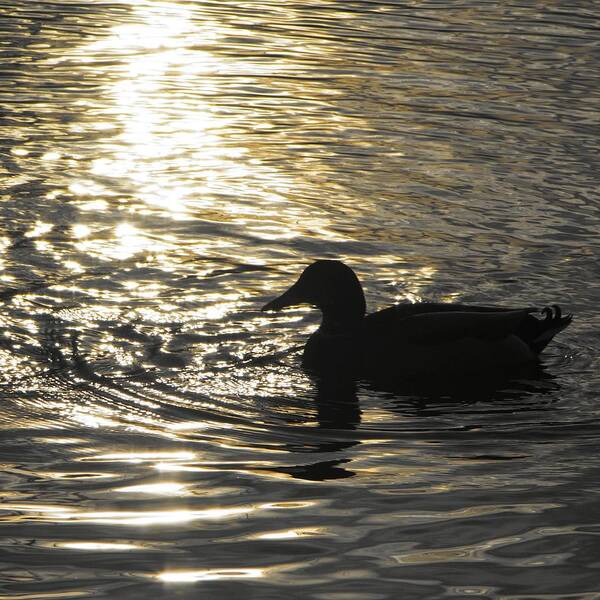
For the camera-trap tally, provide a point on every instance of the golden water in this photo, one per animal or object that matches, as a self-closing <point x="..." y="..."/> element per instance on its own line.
<point x="166" y="167"/>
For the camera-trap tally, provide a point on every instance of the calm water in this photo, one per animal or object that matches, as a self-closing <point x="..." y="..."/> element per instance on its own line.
<point x="166" y="167"/>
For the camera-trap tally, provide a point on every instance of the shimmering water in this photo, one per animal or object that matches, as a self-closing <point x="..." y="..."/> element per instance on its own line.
<point x="166" y="167"/>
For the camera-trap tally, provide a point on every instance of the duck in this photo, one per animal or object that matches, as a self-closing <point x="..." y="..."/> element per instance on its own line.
<point x="413" y="340"/>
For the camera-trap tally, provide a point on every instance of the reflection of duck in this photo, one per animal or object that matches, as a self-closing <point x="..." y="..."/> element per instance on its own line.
<point x="412" y="340"/>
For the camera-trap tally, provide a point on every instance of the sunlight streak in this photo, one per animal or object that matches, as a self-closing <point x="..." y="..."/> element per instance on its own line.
<point x="98" y="546"/>
<point x="177" y="155"/>
<point x="209" y="575"/>
<point x="166" y="489"/>
<point x="166" y="517"/>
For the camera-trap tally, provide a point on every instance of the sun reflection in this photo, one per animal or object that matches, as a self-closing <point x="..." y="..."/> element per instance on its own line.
<point x="166" y="488"/>
<point x="143" y="518"/>
<point x="88" y="188"/>
<point x="286" y="505"/>
<point x="49" y="156"/>
<point x="141" y="457"/>
<point x="59" y="513"/>
<point x="39" y="508"/>
<point x="209" y="575"/>
<point x="97" y="546"/>
<point x="39" y="229"/>
<point x="169" y="138"/>
<point x="73" y="266"/>
<point x="195" y="426"/>
<point x="166" y="517"/>
<point x="127" y="241"/>
<point x="412" y="281"/>
<point x="290" y="534"/>
<point x="11" y="364"/>
<point x="80" y="230"/>
<point x="92" y="421"/>
<point x="156" y="129"/>
<point x="93" y="205"/>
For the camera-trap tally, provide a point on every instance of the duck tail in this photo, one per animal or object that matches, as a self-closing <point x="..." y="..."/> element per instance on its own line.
<point x="541" y="333"/>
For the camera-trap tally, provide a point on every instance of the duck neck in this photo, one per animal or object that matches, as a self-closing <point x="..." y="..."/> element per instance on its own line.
<point x="344" y="318"/>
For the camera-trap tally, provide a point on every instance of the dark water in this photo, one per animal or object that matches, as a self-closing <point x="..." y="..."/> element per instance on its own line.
<point x="169" y="166"/>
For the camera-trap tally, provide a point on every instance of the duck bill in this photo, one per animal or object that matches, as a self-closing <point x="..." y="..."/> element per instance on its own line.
<point x="289" y="298"/>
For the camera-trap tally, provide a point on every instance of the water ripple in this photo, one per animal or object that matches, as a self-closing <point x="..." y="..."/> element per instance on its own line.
<point x="168" y="166"/>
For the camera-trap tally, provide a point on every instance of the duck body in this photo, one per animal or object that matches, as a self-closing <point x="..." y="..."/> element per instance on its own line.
<point x="412" y="340"/>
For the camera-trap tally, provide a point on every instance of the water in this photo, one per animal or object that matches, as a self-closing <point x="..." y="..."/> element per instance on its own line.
<point x="169" y="166"/>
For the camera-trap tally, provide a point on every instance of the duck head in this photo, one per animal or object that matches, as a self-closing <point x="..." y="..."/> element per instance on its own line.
<point x="331" y="286"/>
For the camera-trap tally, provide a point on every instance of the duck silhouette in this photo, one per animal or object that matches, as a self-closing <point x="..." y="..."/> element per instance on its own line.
<point x="412" y="340"/>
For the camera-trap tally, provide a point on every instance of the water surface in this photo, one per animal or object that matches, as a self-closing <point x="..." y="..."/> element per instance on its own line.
<point x="166" y="167"/>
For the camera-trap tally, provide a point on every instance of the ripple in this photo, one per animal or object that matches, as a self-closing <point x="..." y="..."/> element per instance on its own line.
<point x="165" y="168"/>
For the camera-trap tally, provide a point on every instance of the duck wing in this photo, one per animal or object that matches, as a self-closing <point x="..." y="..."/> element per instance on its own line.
<point x="439" y="323"/>
<point x="400" y="311"/>
<point x="445" y="327"/>
<point x="430" y="323"/>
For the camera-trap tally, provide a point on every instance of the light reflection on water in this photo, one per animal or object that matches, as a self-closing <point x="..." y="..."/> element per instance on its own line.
<point x="167" y="166"/>
<point x="208" y="575"/>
